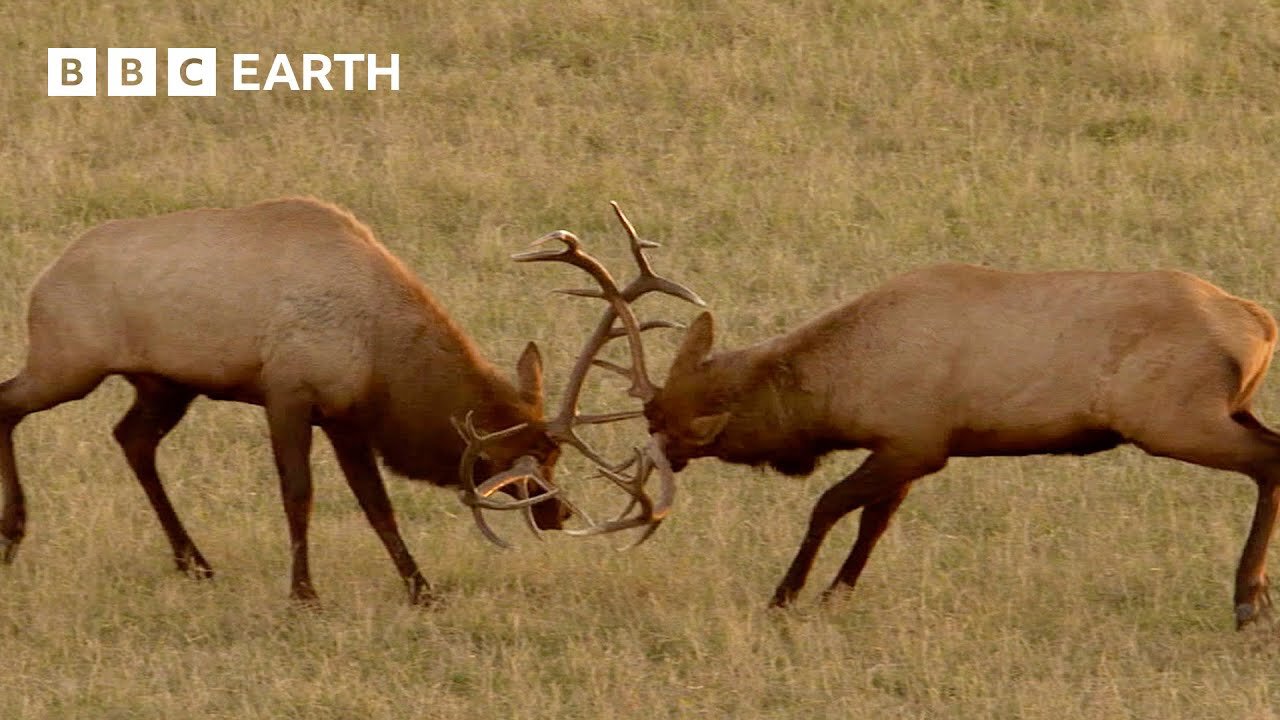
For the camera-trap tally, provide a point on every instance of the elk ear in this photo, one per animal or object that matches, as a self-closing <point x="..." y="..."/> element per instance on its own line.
<point x="529" y="373"/>
<point x="695" y="347"/>
<point x="706" y="428"/>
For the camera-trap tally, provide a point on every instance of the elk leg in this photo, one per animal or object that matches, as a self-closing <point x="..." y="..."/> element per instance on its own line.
<point x="361" y="470"/>
<point x="158" y="406"/>
<point x="874" y="521"/>
<point x="20" y="396"/>
<point x="879" y="479"/>
<point x="289" y="422"/>
<point x="1238" y="442"/>
<point x="1251" y="595"/>
<point x="13" y="520"/>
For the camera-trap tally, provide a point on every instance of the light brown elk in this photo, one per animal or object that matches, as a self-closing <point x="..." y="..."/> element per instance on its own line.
<point x="292" y="305"/>
<point x="957" y="360"/>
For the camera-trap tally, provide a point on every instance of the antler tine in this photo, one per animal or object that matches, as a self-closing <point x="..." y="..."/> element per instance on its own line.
<point x="648" y="280"/>
<point x="652" y="512"/>
<point x="617" y="332"/>
<point x="570" y="436"/>
<point x="612" y="367"/>
<point x="637" y="245"/>
<point x="603" y="418"/>
<point x="522" y="494"/>
<point x="522" y="471"/>
<point x="635" y="489"/>
<point x="619" y="308"/>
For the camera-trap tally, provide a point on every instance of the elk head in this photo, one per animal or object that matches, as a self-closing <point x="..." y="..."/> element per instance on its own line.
<point x="563" y="427"/>
<point x="517" y="461"/>
<point x="692" y="409"/>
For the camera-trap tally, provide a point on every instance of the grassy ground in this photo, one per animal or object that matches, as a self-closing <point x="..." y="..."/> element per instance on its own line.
<point x="789" y="155"/>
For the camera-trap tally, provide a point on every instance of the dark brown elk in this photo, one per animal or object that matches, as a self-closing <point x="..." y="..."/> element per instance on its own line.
<point x="294" y="306"/>
<point x="957" y="360"/>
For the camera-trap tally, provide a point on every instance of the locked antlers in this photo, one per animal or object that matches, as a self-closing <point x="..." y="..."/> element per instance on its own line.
<point x="563" y="427"/>
<point x="521" y="473"/>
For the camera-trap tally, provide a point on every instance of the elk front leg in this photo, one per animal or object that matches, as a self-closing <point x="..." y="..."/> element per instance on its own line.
<point x="290" y="426"/>
<point x="874" y="521"/>
<point x="361" y="470"/>
<point x="880" y="479"/>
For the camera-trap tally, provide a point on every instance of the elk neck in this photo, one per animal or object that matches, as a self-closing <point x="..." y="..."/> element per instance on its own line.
<point x="434" y="376"/>
<point x="778" y="412"/>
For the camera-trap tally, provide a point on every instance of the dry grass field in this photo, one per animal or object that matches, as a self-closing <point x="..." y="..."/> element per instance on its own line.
<point x="789" y="155"/>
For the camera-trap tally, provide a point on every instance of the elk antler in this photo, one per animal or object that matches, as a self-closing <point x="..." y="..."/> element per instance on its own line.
<point x="652" y="513"/>
<point x="522" y="472"/>
<point x="620" y="308"/>
<point x="563" y="427"/>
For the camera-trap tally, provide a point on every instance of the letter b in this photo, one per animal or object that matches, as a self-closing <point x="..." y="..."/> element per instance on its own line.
<point x="73" y="72"/>
<point x="131" y="71"/>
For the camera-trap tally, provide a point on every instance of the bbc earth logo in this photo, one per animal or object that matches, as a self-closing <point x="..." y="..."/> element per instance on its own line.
<point x="193" y="72"/>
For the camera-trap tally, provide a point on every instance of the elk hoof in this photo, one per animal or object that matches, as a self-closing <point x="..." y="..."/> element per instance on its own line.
<point x="193" y="565"/>
<point x="304" y="597"/>
<point x="421" y="594"/>
<point x="8" y="549"/>
<point x="1245" y="614"/>
<point x="197" y="572"/>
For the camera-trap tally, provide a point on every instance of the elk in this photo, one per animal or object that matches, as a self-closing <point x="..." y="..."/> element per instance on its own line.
<point x="959" y="360"/>
<point x="294" y="306"/>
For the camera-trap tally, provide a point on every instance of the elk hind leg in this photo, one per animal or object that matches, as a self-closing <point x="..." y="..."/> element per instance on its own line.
<point x="1252" y="597"/>
<point x="1237" y="442"/>
<point x="29" y="392"/>
<point x="157" y="407"/>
